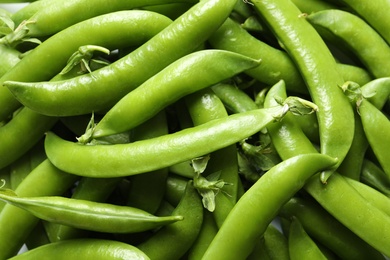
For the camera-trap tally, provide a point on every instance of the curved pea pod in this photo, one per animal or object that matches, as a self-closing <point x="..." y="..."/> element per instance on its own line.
<point x="376" y="126"/>
<point x="169" y="85"/>
<point x="301" y="245"/>
<point x="255" y="210"/>
<point x="84" y="249"/>
<point x="89" y="215"/>
<point x="374" y="176"/>
<point x="138" y="157"/>
<point x="90" y="93"/>
<point x="340" y="27"/>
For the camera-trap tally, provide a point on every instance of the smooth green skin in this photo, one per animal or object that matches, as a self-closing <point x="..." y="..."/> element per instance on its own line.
<point x="318" y="69"/>
<point x="147" y="190"/>
<point x="374" y="176"/>
<point x="171" y="10"/>
<point x="377" y="198"/>
<point x="139" y="157"/>
<point x="90" y="92"/>
<point x="255" y="210"/>
<point x="341" y="27"/>
<point x="90" y="189"/>
<point x="259" y="252"/>
<point x="374" y="13"/>
<point x="376" y="126"/>
<point x="323" y="227"/>
<point x="276" y="243"/>
<point x="169" y="85"/>
<point x="9" y="57"/>
<point x="89" y="215"/>
<point x="57" y="17"/>
<point x="48" y="59"/>
<point x="353" y="73"/>
<point x="206" y="234"/>
<point x="173" y="241"/>
<point x="301" y="245"/>
<point x="29" y="10"/>
<point x="19" y="170"/>
<point x="311" y="6"/>
<point x="15" y="223"/>
<point x="98" y="249"/>
<point x="21" y="133"/>
<point x="296" y="144"/>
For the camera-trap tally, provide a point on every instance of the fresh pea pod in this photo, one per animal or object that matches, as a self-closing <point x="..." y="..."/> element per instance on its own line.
<point x="311" y="6"/>
<point x="301" y="245"/>
<point x="89" y="215"/>
<point x="255" y="210"/>
<point x="9" y="57"/>
<point x="169" y="85"/>
<point x="376" y="126"/>
<point x="340" y="27"/>
<point x="319" y="71"/>
<point x="86" y="249"/>
<point x="374" y="176"/>
<point x="90" y="91"/>
<point x="138" y="157"/>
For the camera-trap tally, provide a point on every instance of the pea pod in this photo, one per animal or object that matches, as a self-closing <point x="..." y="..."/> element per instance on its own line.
<point x="90" y="91"/>
<point x="84" y="248"/>
<point x="374" y="176"/>
<point x="138" y="157"/>
<point x="319" y="71"/>
<point x="48" y="59"/>
<point x="255" y="210"/>
<point x="9" y="57"/>
<point x="301" y="244"/>
<point x="169" y="85"/>
<point x="376" y="127"/>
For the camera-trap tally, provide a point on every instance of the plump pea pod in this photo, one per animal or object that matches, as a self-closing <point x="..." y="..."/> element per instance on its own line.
<point x="276" y="243"/>
<point x="9" y="57"/>
<point x="340" y="27"/>
<point x="354" y="73"/>
<point x="90" y="91"/>
<point x="171" y="10"/>
<point x="318" y="69"/>
<point x="46" y="21"/>
<point x="301" y="245"/>
<point x="378" y="199"/>
<point x="255" y="210"/>
<point x="48" y="59"/>
<point x="15" y="223"/>
<point x="169" y="85"/>
<point x="138" y="157"/>
<point x="173" y="241"/>
<point x="19" y="170"/>
<point x="29" y="10"/>
<point x="20" y="134"/>
<point x="376" y="126"/>
<point x="374" y="176"/>
<point x="374" y="13"/>
<point x="89" y="215"/>
<point x="86" y="249"/>
<point x="90" y="189"/>
<point x="259" y="252"/>
<point x="327" y="230"/>
<point x="311" y="6"/>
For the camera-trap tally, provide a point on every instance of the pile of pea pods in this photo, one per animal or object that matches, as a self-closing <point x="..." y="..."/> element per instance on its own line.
<point x="186" y="129"/>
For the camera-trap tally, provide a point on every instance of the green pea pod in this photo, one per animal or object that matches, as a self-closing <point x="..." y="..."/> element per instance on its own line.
<point x="138" y="157"/>
<point x="311" y="6"/>
<point x="173" y="241"/>
<point x="374" y="176"/>
<point x="301" y="245"/>
<point x="276" y="243"/>
<point x="319" y="71"/>
<point x="90" y="91"/>
<point x="327" y="230"/>
<point x="48" y="59"/>
<point x="340" y="27"/>
<point x="9" y="57"/>
<point x="86" y="249"/>
<point x="255" y="210"/>
<point x="15" y="223"/>
<point x="169" y="85"/>
<point x="376" y="126"/>
<point x="374" y="13"/>
<point x="89" y="215"/>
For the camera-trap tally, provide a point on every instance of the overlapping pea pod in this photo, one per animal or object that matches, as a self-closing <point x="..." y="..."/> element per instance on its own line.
<point x="139" y="157"/>
<point x="255" y="210"/>
<point x="319" y="71"/>
<point x="164" y="88"/>
<point x="340" y="27"/>
<point x="86" y="249"/>
<point x="90" y="92"/>
<point x="50" y="57"/>
<point x="9" y="57"/>
<point x="344" y="207"/>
